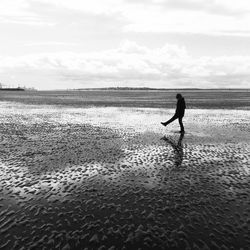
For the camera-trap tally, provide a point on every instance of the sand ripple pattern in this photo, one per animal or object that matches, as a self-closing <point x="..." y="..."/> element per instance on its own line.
<point x="113" y="178"/>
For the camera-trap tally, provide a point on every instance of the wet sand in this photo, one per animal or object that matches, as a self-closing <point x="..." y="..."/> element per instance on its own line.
<point x="114" y="178"/>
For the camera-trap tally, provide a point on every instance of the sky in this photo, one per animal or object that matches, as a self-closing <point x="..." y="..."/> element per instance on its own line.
<point x="66" y="44"/>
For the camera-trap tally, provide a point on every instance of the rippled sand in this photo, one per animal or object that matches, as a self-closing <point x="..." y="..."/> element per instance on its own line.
<point x="114" y="178"/>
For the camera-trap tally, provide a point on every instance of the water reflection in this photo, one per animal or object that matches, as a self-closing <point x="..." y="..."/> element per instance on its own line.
<point x="178" y="148"/>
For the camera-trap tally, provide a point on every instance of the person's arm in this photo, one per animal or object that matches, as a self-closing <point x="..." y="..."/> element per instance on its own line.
<point x="182" y="105"/>
<point x="178" y="107"/>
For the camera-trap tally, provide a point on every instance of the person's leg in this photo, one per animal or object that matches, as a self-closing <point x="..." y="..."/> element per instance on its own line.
<point x="181" y="124"/>
<point x="170" y="120"/>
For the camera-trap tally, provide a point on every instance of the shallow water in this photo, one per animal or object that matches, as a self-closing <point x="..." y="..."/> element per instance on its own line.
<point x="203" y="98"/>
<point x="100" y="177"/>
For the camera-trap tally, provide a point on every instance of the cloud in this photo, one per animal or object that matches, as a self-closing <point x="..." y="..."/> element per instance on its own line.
<point x="210" y="17"/>
<point x="213" y="17"/>
<point x="18" y="12"/>
<point x="196" y="17"/>
<point x="219" y="7"/>
<point x="168" y="66"/>
<point x="49" y="43"/>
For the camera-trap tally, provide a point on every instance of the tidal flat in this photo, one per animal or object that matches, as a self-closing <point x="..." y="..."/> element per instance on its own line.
<point x="97" y="177"/>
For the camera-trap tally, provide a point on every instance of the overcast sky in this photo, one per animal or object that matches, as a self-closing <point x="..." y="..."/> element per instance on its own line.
<point x="55" y="44"/>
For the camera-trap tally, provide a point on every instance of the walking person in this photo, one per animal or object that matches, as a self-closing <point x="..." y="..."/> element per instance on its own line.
<point x="179" y="112"/>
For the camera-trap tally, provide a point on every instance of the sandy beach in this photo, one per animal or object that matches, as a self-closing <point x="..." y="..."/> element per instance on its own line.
<point x="93" y="151"/>
<point x="114" y="178"/>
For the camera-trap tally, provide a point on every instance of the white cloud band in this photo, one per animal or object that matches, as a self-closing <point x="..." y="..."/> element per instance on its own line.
<point x="165" y="67"/>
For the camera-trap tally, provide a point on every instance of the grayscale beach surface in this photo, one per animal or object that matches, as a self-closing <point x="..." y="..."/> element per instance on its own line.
<point x="97" y="170"/>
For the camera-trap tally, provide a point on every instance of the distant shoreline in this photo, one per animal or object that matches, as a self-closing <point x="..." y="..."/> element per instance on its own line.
<point x="130" y="89"/>
<point x="12" y="89"/>
<point x="151" y="89"/>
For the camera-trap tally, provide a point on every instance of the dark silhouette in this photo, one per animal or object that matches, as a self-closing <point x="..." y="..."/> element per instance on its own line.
<point x="179" y="112"/>
<point x="178" y="149"/>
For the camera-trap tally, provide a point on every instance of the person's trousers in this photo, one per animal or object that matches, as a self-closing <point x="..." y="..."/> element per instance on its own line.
<point x="174" y="118"/>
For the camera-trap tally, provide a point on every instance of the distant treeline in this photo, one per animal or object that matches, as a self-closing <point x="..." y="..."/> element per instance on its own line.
<point x="12" y="89"/>
<point x="126" y="88"/>
<point x="160" y="89"/>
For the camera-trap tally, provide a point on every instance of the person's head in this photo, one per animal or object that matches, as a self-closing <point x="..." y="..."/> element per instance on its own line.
<point x="178" y="96"/>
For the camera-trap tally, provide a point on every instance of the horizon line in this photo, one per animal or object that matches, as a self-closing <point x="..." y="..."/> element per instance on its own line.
<point x="138" y="88"/>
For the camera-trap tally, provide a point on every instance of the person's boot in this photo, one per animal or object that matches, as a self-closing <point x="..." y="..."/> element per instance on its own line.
<point x="164" y="124"/>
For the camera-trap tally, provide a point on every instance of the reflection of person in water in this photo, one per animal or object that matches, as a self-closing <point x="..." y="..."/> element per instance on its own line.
<point x="179" y="112"/>
<point x="178" y="149"/>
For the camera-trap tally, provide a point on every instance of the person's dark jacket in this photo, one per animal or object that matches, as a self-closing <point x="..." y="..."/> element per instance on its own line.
<point x="181" y="106"/>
